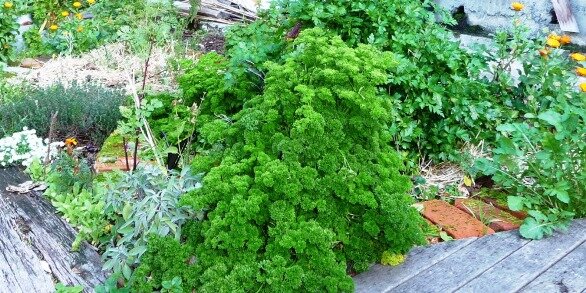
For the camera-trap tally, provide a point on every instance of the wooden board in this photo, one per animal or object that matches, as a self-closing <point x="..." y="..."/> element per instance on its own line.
<point x="47" y="236"/>
<point x="379" y="278"/>
<point x="564" y="15"/>
<point x="567" y="275"/>
<point x="462" y="266"/>
<point x="524" y="265"/>
<point x="502" y="262"/>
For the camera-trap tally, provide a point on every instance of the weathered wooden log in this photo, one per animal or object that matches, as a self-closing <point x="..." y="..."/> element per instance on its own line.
<point x="220" y="11"/>
<point x="35" y="244"/>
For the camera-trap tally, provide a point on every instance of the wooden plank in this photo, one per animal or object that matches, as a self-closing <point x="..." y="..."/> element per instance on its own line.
<point x="525" y="264"/>
<point x="567" y="275"/>
<point x="564" y="15"/>
<point x="380" y="278"/>
<point x="49" y="236"/>
<point x="464" y="265"/>
<point x="20" y="268"/>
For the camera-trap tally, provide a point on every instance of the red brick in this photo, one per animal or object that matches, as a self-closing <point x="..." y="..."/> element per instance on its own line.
<point x="454" y="221"/>
<point x="494" y="202"/>
<point x="499" y="220"/>
<point x="120" y="164"/>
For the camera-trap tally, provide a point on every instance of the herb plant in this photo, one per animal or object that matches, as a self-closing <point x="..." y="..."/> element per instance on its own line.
<point x="89" y="112"/>
<point x="302" y="184"/>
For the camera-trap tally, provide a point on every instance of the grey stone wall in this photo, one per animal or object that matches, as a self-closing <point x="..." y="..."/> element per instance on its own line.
<point x="492" y="15"/>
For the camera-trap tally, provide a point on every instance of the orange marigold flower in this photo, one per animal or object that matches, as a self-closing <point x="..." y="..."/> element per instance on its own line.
<point x="581" y="71"/>
<point x="583" y="86"/>
<point x="565" y="39"/>
<point x="517" y="6"/>
<point x="553" y="43"/>
<point x="71" y="141"/>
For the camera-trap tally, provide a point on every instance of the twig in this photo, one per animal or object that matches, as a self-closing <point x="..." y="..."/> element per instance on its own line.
<point x="125" y="146"/>
<point x="140" y="97"/>
<point x="51" y="134"/>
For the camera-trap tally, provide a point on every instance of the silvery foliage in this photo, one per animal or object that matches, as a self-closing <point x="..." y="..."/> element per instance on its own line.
<point x="145" y="202"/>
<point x="23" y="147"/>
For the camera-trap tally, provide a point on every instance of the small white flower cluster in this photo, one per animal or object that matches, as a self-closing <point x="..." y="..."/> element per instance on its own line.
<point x="23" y="147"/>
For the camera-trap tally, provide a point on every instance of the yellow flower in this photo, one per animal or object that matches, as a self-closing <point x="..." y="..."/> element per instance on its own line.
<point x="581" y="71"/>
<point x="517" y="6"/>
<point x="79" y="16"/>
<point x="71" y="141"/>
<point x="80" y="29"/>
<point x="553" y="43"/>
<point x="54" y="27"/>
<point x="565" y="39"/>
<point x="77" y="4"/>
<point x="583" y="86"/>
<point x="65" y="13"/>
<point x="555" y="37"/>
<point x="578" y="57"/>
<point x="91" y="1"/>
<point x="8" y="5"/>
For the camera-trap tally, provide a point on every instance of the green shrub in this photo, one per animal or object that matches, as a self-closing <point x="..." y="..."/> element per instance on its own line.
<point x="302" y="182"/>
<point x="437" y="107"/>
<point x="88" y="112"/>
<point x="164" y="259"/>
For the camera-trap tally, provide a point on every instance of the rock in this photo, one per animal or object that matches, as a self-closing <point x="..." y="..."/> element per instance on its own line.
<point x="31" y="63"/>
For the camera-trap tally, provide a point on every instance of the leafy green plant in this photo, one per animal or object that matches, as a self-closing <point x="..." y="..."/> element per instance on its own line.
<point x="173" y="124"/>
<point x="143" y="203"/>
<point x="539" y="159"/>
<point x="302" y="184"/>
<point x="71" y="191"/>
<point x="8" y="30"/>
<point x="60" y="288"/>
<point x="167" y="265"/>
<point x="437" y="106"/>
<point x="88" y="112"/>
<point x="111" y="285"/>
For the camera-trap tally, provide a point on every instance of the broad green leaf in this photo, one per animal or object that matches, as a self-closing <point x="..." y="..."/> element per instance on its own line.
<point x="515" y="203"/>
<point x="551" y="117"/>
<point x="531" y="229"/>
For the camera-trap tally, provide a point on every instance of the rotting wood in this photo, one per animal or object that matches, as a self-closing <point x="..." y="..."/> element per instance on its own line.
<point x="37" y="234"/>
<point x="220" y="12"/>
<point x="564" y="15"/>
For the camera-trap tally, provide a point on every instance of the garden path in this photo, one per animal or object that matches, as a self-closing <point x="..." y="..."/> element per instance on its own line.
<point x="501" y="262"/>
<point x="35" y="244"/>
